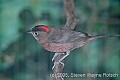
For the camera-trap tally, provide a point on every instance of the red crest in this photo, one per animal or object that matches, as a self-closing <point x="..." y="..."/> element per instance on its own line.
<point x="46" y="28"/>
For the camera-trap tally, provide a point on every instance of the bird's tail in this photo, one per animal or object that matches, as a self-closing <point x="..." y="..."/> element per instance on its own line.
<point x="104" y="36"/>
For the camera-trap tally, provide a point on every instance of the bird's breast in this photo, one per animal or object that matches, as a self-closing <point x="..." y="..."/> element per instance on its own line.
<point x="57" y="47"/>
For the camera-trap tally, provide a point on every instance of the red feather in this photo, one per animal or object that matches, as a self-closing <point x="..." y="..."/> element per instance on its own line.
<point x="43" y="27"/>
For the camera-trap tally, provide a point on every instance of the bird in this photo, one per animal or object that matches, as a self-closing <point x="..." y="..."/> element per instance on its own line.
<point x="60" y="40"/>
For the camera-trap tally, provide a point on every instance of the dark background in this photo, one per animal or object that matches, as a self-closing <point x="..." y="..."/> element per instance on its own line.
<point x="22" y="58"/>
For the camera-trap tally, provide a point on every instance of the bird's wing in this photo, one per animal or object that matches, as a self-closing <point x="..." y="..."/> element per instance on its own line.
<point x="58" y="36"/>
<point x="77" y="36"/>
<point x="62" y="36"/>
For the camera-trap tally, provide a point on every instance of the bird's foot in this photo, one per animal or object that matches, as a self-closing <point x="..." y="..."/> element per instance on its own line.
<point x="66" y="54"/>
<point x="63" y="56"/>
<point x="56" y="63"/>
<point x="55" y="55"/>
<point x="58" y="58"/>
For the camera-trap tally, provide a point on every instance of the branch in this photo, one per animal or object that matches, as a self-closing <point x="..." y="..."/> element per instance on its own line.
<point x="70" y="25"/>
<point x="70" y="14"/>
<point x="58" y="68"/>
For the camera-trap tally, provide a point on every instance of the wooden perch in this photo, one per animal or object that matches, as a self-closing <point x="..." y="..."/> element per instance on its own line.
<point x="70" y="14"/>
<point x="70" y="25"/>
<point x="58" y="68"/>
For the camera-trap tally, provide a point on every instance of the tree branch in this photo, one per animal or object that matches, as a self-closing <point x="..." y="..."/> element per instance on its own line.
<point x="70" y="25"/>
<point x="70" y="14"/>
<point x="58" y="68"/>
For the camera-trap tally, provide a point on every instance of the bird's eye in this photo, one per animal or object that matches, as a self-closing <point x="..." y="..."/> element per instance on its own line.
<point x="36" y="33"/>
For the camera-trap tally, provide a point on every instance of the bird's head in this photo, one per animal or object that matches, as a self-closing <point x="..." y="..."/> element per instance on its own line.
<point x="39" y="31"/>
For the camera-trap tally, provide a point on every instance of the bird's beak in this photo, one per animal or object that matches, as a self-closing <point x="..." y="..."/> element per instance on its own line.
<point x="29" y="31"/>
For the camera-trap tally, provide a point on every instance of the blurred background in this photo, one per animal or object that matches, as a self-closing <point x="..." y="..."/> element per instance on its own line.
<point x="22" y="58"/>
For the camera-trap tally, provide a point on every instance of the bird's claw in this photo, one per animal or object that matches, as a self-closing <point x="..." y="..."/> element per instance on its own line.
<point x="66" y="54"/>
<point x="59" y="61"/>
<point x="56" y="54"/>
<point x="56" y="63"/>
